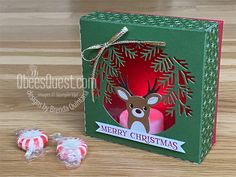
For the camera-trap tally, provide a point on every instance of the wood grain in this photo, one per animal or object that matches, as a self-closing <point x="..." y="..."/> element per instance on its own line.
<point x="46" y="33"/>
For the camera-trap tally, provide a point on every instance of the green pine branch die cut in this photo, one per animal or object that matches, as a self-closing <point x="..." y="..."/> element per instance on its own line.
<point x="175" y="77"/>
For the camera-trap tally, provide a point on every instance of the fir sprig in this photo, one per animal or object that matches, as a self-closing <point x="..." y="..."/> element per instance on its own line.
<point x="129" y="51"/>
<point x="150" y="52"/>
<point x="116" y="56"/>
<point x="109" y="68"/>
<point x="162" y="63"/>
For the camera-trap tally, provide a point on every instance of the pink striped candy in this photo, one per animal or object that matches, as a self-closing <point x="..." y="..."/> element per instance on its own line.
<point x="32" y="139"/>
<point x="71" y="150"/>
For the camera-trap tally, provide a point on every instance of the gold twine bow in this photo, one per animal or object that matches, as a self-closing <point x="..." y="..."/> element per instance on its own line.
<point x="113" y="41"/>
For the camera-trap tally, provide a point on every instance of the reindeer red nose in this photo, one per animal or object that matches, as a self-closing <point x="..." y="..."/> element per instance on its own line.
<point x="138" y="111"/>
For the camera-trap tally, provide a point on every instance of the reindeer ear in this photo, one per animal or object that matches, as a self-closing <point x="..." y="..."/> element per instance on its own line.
<point x="153" y="99"/>
<point x="122" y="93"/>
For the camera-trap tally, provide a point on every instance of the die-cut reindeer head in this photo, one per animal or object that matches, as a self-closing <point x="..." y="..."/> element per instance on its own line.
<point x="138" y="106"/>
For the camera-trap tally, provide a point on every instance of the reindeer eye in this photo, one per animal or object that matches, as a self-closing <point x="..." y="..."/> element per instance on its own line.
<point x="145" y="108"/>
<point x="131" y="105"/>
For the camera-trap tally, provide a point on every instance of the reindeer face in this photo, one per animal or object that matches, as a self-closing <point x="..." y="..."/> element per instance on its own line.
<point x="138" y="107"/>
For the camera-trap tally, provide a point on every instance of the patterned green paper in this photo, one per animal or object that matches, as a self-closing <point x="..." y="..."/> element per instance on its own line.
<point x="184" y="73"/>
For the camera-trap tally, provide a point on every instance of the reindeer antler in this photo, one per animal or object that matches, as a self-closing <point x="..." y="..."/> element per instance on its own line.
<point x="124" y="84"/>
<point x="154" y="89"/>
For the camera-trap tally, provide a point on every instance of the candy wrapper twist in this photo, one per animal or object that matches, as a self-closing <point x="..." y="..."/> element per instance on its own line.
<point x="32" y="141"/>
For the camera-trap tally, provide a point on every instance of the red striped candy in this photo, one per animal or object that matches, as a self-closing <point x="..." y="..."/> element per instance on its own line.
<point x="71" y="150"/>
<point x="32" y="139"/>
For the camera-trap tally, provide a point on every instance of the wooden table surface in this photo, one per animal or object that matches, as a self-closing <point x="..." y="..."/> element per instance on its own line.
<point x="46" y="33"/>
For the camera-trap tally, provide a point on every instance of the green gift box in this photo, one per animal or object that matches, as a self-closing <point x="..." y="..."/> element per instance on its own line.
<point x="153" y="81"/>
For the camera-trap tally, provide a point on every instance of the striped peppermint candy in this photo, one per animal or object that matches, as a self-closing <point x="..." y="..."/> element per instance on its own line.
<point x="32" y="139"/>
<point x="71" y="150"/>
